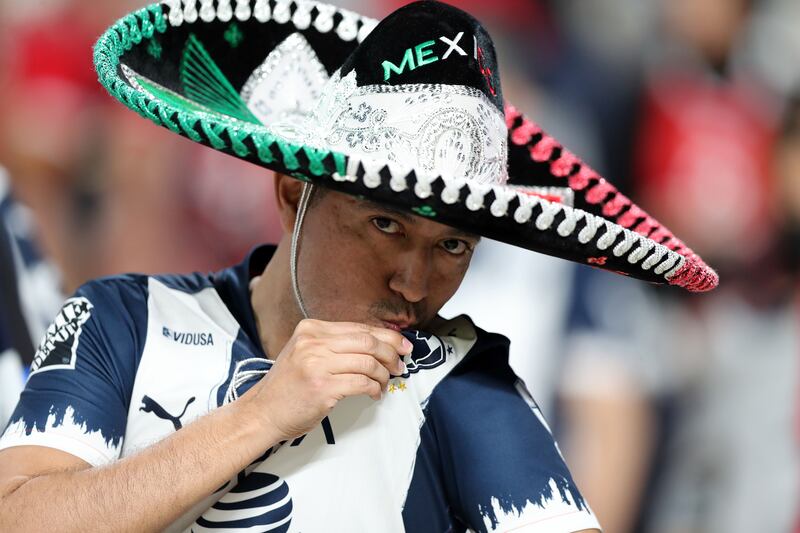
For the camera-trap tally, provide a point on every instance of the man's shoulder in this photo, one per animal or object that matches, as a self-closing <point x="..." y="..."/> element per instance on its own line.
<point x="496" y="450"/>
<point x="187" y="308"/>
<point x="113" y="304"/>
<point x="483" y="374"/>
<point x="118" y="284"/>
<point x="490" y="340"/>
<point x="131" y="291"/>
<point x="136" y="283"/>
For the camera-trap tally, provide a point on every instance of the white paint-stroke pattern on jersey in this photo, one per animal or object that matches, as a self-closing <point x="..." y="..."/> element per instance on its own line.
<point x="73" y="436"/>
<point x="557" y="498"/>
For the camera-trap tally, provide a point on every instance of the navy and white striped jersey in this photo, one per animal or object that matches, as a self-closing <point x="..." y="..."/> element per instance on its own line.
<point x="456" y="444"/>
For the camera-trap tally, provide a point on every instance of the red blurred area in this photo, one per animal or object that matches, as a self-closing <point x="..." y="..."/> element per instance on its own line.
<point x="703" y="162"/>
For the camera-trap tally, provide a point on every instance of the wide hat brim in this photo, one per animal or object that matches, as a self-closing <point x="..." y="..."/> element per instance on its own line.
<point x="552" y="203"/>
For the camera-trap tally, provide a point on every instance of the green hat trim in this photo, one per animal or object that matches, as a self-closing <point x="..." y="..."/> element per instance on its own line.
<point x="217" y="118"/>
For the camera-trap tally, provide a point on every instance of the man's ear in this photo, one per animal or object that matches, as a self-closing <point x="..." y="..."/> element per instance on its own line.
<point x="287" y="193"/>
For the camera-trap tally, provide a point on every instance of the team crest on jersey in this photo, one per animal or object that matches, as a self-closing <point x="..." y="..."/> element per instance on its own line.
<point x="429" y="352"/>
<point x="59" y="346"/>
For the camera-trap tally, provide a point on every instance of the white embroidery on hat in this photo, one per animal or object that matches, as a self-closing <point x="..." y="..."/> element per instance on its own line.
<point x="281" y="13"/>
<point x="190" y="13"/>
<point x="287" y="84"/>
<point x="262" y="11"/>
<point x="452" y="131"/>
<point x="243" y="10"/>
<point x="351" y="25"/>
<point x="224" y="10"/>
<point x="302" y="16"/>
<point x="348" y="27"/>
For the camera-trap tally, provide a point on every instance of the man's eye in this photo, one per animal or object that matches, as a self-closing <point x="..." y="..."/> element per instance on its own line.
<point x="455" y="246"/>
<point x="386" y="225"/>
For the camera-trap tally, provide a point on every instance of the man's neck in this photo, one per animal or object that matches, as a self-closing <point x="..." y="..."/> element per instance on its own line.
<point x="274" y="306"/>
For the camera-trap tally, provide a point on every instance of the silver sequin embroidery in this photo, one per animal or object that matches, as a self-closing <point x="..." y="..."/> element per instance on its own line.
<point x="452" y="131"/>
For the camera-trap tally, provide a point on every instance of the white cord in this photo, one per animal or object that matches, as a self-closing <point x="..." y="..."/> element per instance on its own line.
<point x="298" y="224"/>
<point x="240" y="377"/>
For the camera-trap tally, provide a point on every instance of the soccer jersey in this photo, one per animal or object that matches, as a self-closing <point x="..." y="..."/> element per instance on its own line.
<point x="455" y="444"/>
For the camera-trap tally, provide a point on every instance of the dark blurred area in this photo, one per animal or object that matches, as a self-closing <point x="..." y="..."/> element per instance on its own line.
<point x="675" y="412"/>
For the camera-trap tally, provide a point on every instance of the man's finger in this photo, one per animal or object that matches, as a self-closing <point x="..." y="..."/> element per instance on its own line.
<point x="367" y="344"/>
<point x="344" y="385"/>
<point x="394" y="338"/>
<point x="359" y="364"/>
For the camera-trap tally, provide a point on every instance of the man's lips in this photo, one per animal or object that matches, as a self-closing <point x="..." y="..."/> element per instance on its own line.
<point x="397" y="325"/>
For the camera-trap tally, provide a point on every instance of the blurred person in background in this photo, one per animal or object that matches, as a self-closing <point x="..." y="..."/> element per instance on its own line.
<point x="785" y="257"/>
<point x="29" y="295"/>
<point x="705" y="129"/>
<point x="29" y="285"/>
<point x="732" y="462"/>
<point x="696" y="433"/>
<point x="49" y="136"/>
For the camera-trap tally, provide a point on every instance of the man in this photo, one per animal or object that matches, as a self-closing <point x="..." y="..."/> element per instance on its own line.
<point x="146" y="408"/>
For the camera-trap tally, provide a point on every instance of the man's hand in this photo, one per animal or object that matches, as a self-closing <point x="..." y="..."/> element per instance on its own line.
<point x="322" y="363"/>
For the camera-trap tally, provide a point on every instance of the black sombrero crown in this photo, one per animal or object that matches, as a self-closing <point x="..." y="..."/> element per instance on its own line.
<point x="428" y="43"/>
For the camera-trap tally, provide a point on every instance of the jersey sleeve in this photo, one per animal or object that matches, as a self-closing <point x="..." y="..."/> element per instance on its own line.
<point x="499" y="466"/>
<point x="77" y="395"/>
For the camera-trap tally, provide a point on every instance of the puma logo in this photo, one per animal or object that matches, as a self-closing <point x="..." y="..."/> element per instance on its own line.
<point x="149" y="405"/>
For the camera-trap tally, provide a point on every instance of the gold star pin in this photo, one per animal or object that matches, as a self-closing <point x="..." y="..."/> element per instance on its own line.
<point x="392" y="388"/>
<point x="401" y="386"/>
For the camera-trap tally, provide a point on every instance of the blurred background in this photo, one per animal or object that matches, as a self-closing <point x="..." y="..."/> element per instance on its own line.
<point x="675" y="412"/>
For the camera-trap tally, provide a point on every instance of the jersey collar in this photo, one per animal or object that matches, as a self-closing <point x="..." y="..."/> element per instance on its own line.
<point x="233" y="286"/>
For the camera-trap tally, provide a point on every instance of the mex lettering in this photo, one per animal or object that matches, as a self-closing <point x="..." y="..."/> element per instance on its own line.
<point x="424" y="54"/>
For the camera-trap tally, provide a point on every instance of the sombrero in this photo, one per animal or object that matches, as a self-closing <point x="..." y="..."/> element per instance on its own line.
<point x="407" y="112"/>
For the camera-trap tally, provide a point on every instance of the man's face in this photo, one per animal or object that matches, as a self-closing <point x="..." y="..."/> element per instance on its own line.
<point x="361" y="262"/>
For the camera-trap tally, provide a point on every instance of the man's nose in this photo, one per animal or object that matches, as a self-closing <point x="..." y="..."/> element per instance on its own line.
<point x="411" y="276"/>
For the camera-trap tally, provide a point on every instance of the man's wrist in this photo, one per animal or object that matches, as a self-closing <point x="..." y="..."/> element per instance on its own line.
<point x="258" y="428"/>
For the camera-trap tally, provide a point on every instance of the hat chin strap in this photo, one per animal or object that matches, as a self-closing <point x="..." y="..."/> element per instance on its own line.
<point x="298" y="224"/>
